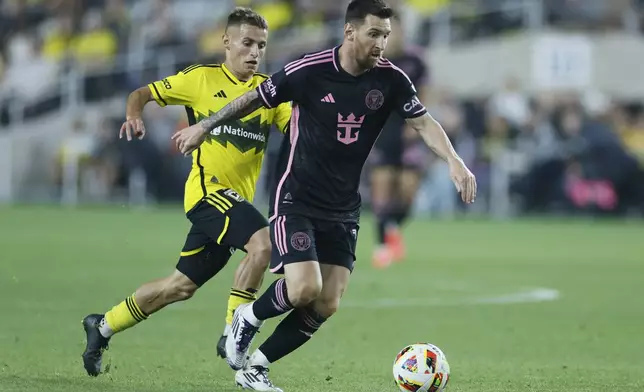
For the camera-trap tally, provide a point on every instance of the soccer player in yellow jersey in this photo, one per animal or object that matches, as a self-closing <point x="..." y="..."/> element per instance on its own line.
<point x="218" y="189"/>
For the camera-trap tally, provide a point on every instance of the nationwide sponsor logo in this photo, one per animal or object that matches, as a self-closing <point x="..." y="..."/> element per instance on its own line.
<point x="244" y="135"/>
<point x="237" y="131"/>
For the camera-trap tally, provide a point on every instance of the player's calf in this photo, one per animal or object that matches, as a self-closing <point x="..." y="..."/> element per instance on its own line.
<point x="300" y="325"/>
<point x="301" y="286"/>
<point x="148" y="299"/>
<point x="248" y="279"/>
<point x="250" y="272"/>
<point x="154" y="296"/>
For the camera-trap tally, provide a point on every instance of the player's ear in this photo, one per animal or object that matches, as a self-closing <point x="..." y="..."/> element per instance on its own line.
<point x="349" y="31"/>
<point x="226" y="40"/>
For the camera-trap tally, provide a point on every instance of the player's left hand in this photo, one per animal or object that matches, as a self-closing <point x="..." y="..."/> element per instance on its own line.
<point x="463" y="179"/>
<point x="189" y="139"/>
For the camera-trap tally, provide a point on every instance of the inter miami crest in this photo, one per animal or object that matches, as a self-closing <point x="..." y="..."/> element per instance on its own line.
<point x="244" y="135"/>
<point x="300" y="241"/>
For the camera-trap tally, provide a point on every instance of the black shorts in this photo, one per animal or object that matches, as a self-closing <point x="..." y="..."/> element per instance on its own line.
<point x="221" y="222"/>
<point x="297" y="238"/>
<point x="391" y="150"/>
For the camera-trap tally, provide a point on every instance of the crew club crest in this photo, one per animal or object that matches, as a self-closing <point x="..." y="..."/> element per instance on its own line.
<point x="300" y="241"/>
<point x="374" y="99"/>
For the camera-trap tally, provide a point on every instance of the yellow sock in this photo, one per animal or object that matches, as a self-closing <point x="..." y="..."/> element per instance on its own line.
<point x="238" y="297"/>
<point x="124" y="315"/>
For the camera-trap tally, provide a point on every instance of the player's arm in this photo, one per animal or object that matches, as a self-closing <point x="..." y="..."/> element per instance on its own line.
<point x="413" y="111"/>
<point x="422" y="87"/>
<point x="272" y="92"/>
<point x="174" y="90"/>
<point x="235" y="110"/>
<point x="435" y="137"/>
<point x="283" y="116"/>
<point x="133" y="124"/>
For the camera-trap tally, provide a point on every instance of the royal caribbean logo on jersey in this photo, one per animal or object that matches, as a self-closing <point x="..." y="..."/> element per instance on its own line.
<point x="245" y="136"/>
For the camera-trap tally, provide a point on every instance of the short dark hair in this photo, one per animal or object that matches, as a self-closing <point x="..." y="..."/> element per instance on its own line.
<point x="241" y="15"/>
<point x="358" y="10"/>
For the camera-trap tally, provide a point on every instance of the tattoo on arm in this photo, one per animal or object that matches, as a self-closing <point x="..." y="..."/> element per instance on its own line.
<point x="238" y="108"/>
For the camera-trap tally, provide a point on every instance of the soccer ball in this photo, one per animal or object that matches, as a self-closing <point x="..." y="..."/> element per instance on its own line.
<point x="421" y="367"/>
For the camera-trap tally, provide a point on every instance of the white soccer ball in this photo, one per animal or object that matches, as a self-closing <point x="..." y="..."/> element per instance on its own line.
<point x="421" y="367"/>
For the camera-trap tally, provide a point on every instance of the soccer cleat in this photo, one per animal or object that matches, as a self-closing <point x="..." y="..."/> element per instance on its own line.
<point x="221" y="344"/>
<point x="221" y="347"/>
<point x="96" y="344"/>
<point x="396" y="244"/>
<point x="382" y="257"/>
<point x="255" y="378"/>
<point x="239" y="339"/>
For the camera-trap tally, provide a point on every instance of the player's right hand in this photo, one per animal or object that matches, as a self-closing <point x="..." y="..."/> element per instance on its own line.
<point x="132" y="126"/>
<point x="463" y="179"/>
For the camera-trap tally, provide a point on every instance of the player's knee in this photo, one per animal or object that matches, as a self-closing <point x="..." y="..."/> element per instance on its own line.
<point x="261" y="255"/>
<point x="305" y="292"/>
<point x="327" y="306"/>
<point x="183" y="293"/>
<point x="259" y="247"/>
<point x="180" y="289"/>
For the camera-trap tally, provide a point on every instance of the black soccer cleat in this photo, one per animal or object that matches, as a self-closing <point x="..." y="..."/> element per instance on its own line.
<point x="221" y="347"/>
<point x="96" y="344"/>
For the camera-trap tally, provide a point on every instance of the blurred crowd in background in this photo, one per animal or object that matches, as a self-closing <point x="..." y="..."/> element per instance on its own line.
<point x="577" y="152"/>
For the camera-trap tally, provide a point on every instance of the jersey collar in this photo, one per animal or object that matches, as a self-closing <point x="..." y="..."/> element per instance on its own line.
<point x="336" y="58"/>
<point x="338" y="67"/>
<point x="234" y="79"/>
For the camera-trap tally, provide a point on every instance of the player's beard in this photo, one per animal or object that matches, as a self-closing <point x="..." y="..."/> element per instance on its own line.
<point x="368" y="62"/>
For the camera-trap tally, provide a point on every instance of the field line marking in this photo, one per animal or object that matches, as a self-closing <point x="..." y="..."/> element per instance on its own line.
<point x="526" y="295"/>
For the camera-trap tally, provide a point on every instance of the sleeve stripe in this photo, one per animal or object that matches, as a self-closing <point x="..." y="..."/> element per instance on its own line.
<point x="261" y="95"/>
<point x="383" y="63"/>
<point x="158" y="96"/>
<point x="418" y="113"/>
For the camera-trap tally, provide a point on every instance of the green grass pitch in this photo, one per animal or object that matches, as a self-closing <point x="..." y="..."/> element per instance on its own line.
<point x="469" y="287"/>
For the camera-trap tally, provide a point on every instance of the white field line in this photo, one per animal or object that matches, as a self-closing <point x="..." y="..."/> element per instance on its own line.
<point x="526" y="295"/>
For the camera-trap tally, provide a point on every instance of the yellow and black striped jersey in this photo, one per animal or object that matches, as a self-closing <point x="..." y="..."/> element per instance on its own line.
<point x="232" y="155"/>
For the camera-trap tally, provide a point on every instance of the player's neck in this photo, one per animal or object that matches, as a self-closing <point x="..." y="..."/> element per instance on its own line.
<point x="242" y="77"/>
<point x="348" y="62"/>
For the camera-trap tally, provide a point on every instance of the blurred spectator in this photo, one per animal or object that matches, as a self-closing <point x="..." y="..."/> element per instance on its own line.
<point x="211" y="46"/>
<point x="159" y="26"/>
<point x="109" y="157"/>
<point x="57" y="38"/>
<point x="96" y="46"/>
<point x="511" y="104"/>
<point x="633" y="136"/>
<point x="73" y="161"/>
<point x="278" y="14"/>
<point x="117" y="19"/>
<point x="29" y="77"/>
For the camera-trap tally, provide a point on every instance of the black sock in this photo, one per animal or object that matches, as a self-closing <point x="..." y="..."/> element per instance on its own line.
<point x="273" y="302"/>
<point x="295" y="330"/>
<point x="401" y="214"/>
<point x="382" y="226"/>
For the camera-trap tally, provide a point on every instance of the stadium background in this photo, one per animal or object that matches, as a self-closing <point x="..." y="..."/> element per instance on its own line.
<point x="542" y="98"/>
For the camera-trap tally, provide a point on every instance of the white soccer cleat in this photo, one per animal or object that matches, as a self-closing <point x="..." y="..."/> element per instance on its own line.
<point x="239" y="339"/>
<point x="255" y="378"/>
